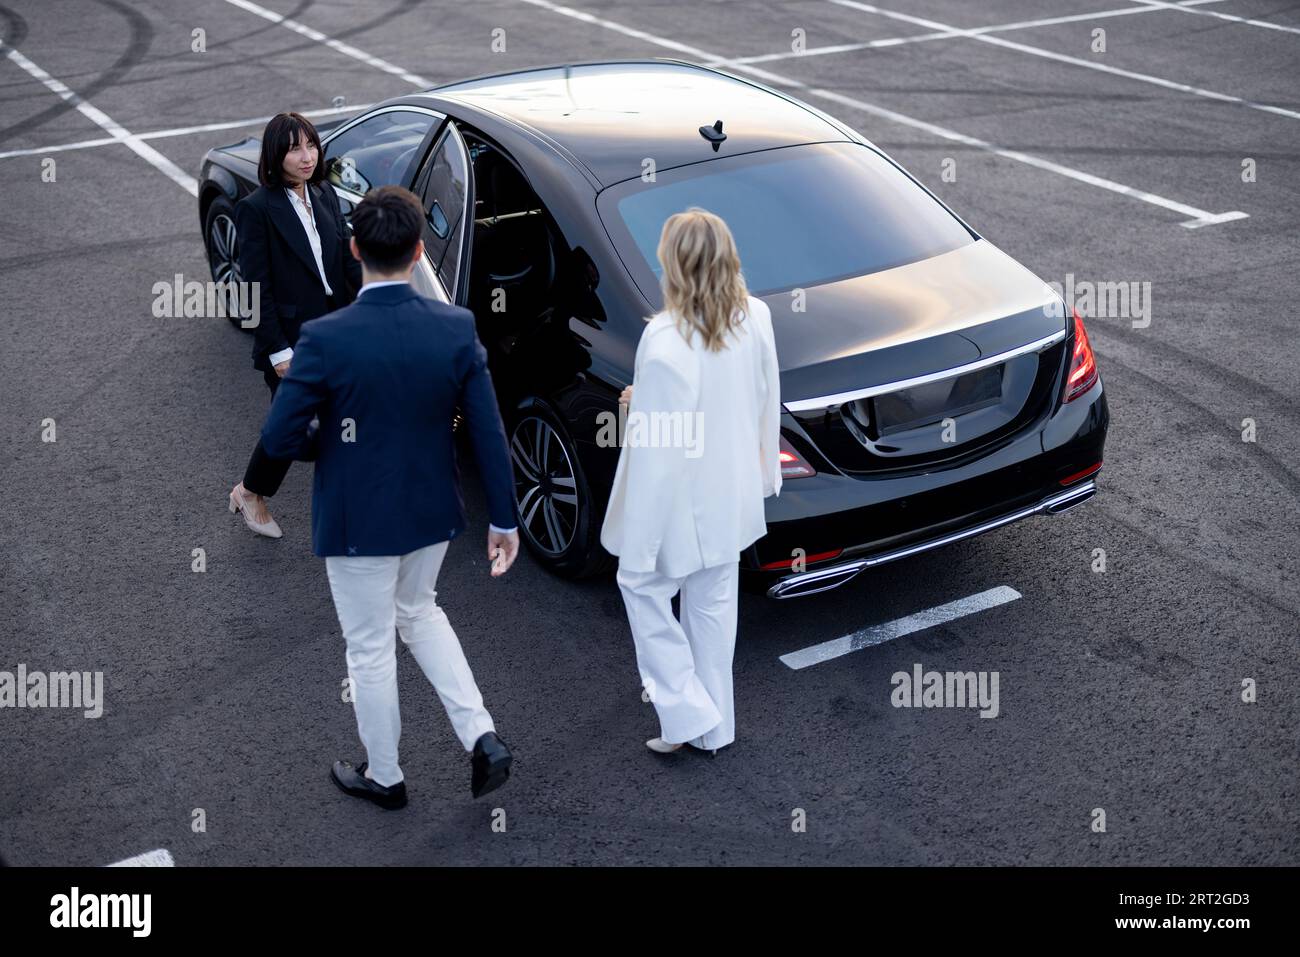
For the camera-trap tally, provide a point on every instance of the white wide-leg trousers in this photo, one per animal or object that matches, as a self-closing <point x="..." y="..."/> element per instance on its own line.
<point x="686" y="666"/>
<point x="373" y="597"/>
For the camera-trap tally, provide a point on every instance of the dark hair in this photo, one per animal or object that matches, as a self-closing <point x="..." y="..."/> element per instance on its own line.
<point x="386" y="225"/>
<point x="280" y="135"/>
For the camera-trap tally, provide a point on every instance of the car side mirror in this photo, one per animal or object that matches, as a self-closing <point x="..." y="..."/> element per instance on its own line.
<point x="342" y="171"/>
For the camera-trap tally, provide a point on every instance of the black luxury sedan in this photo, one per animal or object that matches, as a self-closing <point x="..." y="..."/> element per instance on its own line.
<point x="933" y="387"/>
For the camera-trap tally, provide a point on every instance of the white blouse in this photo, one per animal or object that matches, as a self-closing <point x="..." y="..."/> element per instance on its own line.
<point x="307" y="216"/>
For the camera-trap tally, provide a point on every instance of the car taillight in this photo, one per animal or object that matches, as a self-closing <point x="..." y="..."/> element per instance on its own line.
<point x="1082" y="474"/>
<point x="1083" y="364"/>
<point x="806" y="559"/>
<point x="792" y="465"/>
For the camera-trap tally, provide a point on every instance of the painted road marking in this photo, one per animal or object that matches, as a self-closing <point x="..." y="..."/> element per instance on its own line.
<point x="345" y="48"/>
<point x="878" y="634"/>
<point x="115" y="130"/>
<point x="159" y="858"/>
<point x="177" y="131"/>
<point x="1072" y="60"/>
<point x="949" y="34"/>
<point x="1198" y="217"/>
<point x="1222" y="16"/>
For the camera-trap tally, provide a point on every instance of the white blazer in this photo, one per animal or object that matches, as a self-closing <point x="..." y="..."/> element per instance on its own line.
<point x="701" y="448"/>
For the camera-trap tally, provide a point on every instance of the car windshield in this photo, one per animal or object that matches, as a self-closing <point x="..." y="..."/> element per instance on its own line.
<point x="800" y="215"/>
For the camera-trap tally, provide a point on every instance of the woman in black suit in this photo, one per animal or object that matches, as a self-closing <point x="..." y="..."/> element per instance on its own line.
<point x="293" y="243"/>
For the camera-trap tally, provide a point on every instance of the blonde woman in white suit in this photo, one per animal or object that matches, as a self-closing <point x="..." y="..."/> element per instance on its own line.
<point x="700" y="453"/>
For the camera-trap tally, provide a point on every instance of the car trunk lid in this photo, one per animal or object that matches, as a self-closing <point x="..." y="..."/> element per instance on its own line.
<point x="920" y="363"/>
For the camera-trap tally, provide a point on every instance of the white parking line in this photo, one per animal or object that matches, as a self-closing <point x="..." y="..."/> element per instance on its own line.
<point x="346" y="49"/>
<point x="178" y="131"/>
<point x="1072" y="60"/>
<point x="101" y="119"/>
<point x="159" y="858"/>
<point x="1149" y="7"/>
<point x="877" y="634"/>
<point x="1199" y="217"/>
<point x="1223" y="16"/>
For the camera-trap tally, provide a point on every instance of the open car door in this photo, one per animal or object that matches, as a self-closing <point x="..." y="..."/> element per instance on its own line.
<point x="445" y="186"/>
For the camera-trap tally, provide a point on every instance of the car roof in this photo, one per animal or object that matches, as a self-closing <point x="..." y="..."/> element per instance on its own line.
<point x="613" y="115"/>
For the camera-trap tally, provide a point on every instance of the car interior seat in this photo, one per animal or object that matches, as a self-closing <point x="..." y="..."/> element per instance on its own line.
<point x="513" y="248"/>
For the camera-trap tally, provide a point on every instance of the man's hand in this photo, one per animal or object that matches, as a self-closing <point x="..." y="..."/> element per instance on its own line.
<point x="282" y="368"/>
<point x="625" y="397"/>
<point x="502" y="550"/>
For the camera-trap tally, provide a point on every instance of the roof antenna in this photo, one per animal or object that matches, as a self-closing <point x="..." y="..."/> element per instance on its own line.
<point x="714" y="134"/>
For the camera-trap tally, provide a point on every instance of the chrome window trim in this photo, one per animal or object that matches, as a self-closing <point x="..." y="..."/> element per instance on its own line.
<point x="373" y="113"/>
<point x="839" y="398"/>
<point x="355" y="198"/>
<point x="428" y="271"/>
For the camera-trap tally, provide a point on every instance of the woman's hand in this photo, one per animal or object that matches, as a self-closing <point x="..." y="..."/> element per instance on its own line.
<point x="625" y="397"/>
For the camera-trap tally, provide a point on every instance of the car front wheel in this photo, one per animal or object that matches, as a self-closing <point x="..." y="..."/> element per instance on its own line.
<point x="222" y="243"/>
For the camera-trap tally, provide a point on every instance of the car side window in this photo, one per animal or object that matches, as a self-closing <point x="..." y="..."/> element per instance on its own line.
<point x="377" y="151"/>
<point x="443" y="188"/>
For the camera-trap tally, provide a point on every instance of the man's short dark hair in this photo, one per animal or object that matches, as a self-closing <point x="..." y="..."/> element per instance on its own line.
<point x="281" y="135"/>
<point x="386" y="225"/>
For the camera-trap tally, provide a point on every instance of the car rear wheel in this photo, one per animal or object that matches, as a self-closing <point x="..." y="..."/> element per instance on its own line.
<point x="557" y="520"/>
<point x="222" y="241"/>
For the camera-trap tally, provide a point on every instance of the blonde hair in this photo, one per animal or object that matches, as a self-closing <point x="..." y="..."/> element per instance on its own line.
<point x="702" y="284"/>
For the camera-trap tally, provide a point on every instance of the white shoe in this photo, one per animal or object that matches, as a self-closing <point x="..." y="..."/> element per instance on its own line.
<point x="241" y="505"/>
<point x="660" y="746"/>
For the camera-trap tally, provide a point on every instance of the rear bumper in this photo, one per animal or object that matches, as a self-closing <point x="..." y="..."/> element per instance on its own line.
<point x="844" y="525"/>
<point x="832" y="576"/>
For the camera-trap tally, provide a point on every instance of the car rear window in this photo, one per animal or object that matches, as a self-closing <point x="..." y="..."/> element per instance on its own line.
<point x="801" y="215"/>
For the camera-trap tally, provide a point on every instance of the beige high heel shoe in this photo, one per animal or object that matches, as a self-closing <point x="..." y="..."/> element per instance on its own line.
<point x="660" y="746"/>
<point x="241" y="505"/>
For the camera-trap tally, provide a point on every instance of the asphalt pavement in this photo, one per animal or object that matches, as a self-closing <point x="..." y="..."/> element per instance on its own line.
<point x="1119" y="690"/>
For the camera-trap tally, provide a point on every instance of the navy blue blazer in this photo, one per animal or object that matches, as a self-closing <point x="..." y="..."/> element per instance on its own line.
<point x="385" y="376"/>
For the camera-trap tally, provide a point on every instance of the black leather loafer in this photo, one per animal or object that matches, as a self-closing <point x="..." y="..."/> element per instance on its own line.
<point x="490" y="764"/>
<point x="354" y="781"/>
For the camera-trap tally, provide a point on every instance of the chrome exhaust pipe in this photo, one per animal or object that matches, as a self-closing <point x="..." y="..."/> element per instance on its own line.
<point x="1070" y="498"/>
<point x="797" y="586"/>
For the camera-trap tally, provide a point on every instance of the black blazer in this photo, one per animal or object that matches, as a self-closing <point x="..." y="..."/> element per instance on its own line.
<point x="275" y="254"/>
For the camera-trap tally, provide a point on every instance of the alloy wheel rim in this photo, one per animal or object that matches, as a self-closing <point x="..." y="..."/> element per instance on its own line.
<point x="546" y="493"/>
<point x="223" y="256"/>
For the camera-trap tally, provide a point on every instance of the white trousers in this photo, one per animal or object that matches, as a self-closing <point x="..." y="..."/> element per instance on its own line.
<point x="686" y="666"/>
<point x="373" y="596"/>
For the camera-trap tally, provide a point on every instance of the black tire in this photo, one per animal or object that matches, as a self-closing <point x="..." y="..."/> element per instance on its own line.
<point x="222" y="243"/>
<point x="563" y="536"/>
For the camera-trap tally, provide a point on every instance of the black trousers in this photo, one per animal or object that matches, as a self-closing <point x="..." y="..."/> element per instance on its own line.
<point x="264" y="474"/>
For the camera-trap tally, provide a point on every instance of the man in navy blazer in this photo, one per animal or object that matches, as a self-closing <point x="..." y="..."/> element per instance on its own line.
<point x="384" y="377"/>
